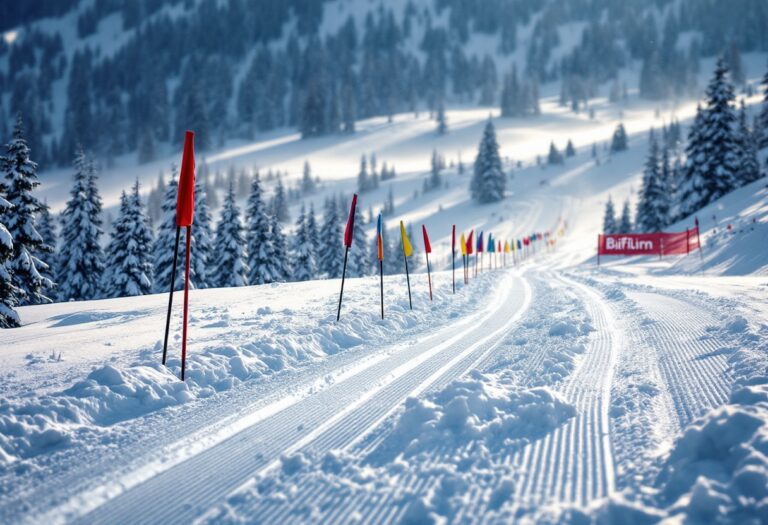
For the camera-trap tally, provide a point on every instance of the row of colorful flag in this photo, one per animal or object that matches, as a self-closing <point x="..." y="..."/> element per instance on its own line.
<point x="468" y="245"/>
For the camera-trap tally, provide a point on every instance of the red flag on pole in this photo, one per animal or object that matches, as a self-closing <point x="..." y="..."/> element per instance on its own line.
<point x="453" y="239"/>
<point x="470" y="244"/>
<point x="427" y="246"/>
<point x="185" y="201"/>
<point x="350" y="223"/>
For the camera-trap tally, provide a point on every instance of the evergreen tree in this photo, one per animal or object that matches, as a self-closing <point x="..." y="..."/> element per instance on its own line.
<point x="304" y="266"/>
<point x="359" y="257"/>
<point x="307" y="183"/>
<point x="653" y="204"/>
<point x="258" y="237"/>
<point x="570" y="151"/>
<point x="8" y="291"/>
<point x="46" y="227"/>
<point x="554" y="157"/>
<point x="229" y="267"/>
<point x="279" y="202"/>
<point x="330" y="257"/>
<point x="282" y="267"/>
<point x="609" y="219"/>
<point x="712" y="167"/>
<point x="488" y="181"/>
<point x="312" y="232"/>
<point x="619" y="139"/>
<point x="442" y="126"/>
<point x="762" y="141"/>
<point x="749" y="166"/>
<point x="363" y="181"/>
<point x="435" y="179"/>
<point x="20" y="179"/>
<point x="625" y="223"/>
<point x="202" y="238"/>
<point x="81" y="260"/>
<point x="129" y="271"/>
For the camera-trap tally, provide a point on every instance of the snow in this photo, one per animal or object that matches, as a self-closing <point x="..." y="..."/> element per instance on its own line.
<point x="550" y="392"/>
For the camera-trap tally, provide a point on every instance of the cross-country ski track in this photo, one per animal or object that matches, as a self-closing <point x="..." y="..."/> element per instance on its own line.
<point x="331" y="418"/>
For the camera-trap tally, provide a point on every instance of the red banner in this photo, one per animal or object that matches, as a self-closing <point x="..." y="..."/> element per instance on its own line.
<point x="679" y="243"/>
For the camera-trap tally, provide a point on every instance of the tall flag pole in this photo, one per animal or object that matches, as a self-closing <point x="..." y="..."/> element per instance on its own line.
<point x="427" y="251"/>
<point x="453" y="256"/>
<point x="185" y="215"/>
<point x="470" y="245"/>
<point x="170" y="295"/>
<point x="463" y="243"/>
<point x="380" y="256"/>
<point x="498" y="251"/>
<point x="348" y="235"/>
<point x="407" y="252"/>
<point x="698" y="238"/>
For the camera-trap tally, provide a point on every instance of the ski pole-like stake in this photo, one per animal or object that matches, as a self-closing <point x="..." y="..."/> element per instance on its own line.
<point x="170" y="295"/>
<point x="380" y="256"/>
<point x="698" y="238"/>
<point x="185" y="215"/>
<point x="348" y="235"/>
<point x="453" y="257"/>
<point x="186" y="303"/>
<point x="407" y="252"/>
<point x="427" y="251"/>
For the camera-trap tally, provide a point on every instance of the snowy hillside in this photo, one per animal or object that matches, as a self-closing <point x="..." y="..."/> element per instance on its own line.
<point x="548" y="387"/>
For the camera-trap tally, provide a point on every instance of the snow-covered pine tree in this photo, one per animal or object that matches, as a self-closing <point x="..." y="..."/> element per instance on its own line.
<point x="20" y="179"/>
<point x="202" y="238"/>
<point x="307" y="182"/>
<point x="258" y="238"/>
<point x="442" y="126"/>
<point x="129" y="268"/>
<point x="46" y="227"/>
<point x="712" y="167"/>
<point x="282" y="267"/>
<point x="229" y="267"/>
<point x="749" y="166"/>
<point x="81" y="260"/>
<point x="653" y="204"/>
<point x="279" y="202"/>
<point x="762" y="141"/>
<point x="625" y="223"/>
<point x="570" y="151"/>
<point x="489" y="180"/>
<point x="554" y="157"/>
<point x="609" y="219"/>
<point x="8" y="291"/>
<point x="435" y="179"/>
<point x="304" y="267"/>
<point x="312" y="232"/>
<point x="359" y="257"/>
<point x="619" y="139"/>
<point x="330" y="257"/>
<point x="363" y="181"/>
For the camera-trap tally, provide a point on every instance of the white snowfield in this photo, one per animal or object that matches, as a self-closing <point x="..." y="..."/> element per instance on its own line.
<point x="551" y="391"/>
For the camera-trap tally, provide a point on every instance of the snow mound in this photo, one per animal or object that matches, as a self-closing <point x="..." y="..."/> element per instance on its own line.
<point x="480" y="411"/>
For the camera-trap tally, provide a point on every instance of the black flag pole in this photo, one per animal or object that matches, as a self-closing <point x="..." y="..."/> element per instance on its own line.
<point x="381" y="282"/>
<point x="170" y="297"/>
<point x="343" y="276"/>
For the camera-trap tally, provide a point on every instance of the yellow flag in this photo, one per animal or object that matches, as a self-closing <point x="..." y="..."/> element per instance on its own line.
<point x="463" y="244"/>
<point x="506" y="246"/>
<point x="407" y="248"/>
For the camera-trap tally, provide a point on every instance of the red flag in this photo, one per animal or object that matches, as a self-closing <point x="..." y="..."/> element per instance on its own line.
<point x="453" y="239"/>
<point x="427" y="246"/>
<point x="185" y="200"/>
<point x="470" y="244"/>
<point x="350" y="223"/>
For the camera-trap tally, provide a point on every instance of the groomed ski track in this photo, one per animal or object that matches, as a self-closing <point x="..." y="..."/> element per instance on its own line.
<point x="330" y="419"/>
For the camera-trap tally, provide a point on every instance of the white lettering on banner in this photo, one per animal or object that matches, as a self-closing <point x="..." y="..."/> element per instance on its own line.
<point x="628" y="243"/>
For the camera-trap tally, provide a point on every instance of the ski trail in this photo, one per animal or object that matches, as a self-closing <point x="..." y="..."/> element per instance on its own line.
<point x="692" y="365"/>
<point x="574" y="464"/>
<point x="331" y="418"/>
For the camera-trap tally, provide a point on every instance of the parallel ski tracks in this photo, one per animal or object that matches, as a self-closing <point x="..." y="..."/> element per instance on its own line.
<point x="330" y="419"/>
